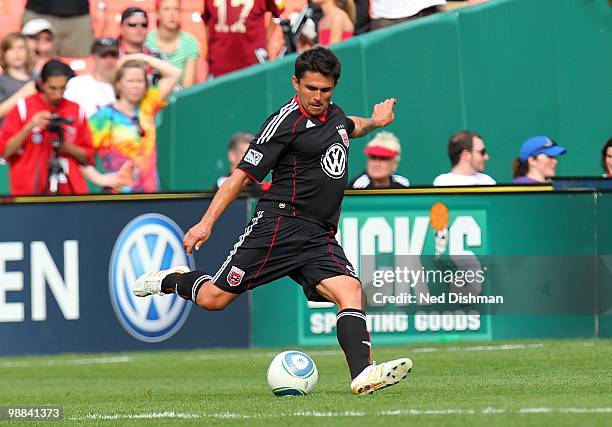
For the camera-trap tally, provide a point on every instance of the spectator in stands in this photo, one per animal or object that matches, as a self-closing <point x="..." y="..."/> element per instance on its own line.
<point x="16" y="81"/>
<point x="307" y="38"/>
<point x="235" y="32"/>
<point x="390" y="12"/>
<point x="125" y="130"/>
<point x="383" y="159"/>
<point x="338" y="21"/>
<point x="468" y="157"/>
<point x="537" y="161"/>
<point x="133" y="32"/>
<point x="70" y="18"/>
<point x="180" y="48"/>
<point x="94" y="91"/>
<point x="606" y="159"/>
<point x="41" y="42"/>
<point x="27" y="142"/>
<point x="236" y="149"/>
<point x="362" y="16"/>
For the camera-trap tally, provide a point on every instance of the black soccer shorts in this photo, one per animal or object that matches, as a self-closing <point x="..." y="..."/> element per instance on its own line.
<point x="274" y="246"/>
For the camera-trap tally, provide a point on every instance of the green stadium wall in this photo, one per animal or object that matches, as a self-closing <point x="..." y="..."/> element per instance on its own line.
<point x="550" y="252"/>
<point x="508" y="69"/>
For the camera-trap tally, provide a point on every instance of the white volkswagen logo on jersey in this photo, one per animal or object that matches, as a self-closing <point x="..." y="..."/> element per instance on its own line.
<point x="150" y="242"/>
<point x="333" y="161"/>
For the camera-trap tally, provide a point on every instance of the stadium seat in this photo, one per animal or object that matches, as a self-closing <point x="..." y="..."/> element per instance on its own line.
<point x="191" y="22"/>
<point x="11" y="12"/>
<point x="121" y="5"/>
<point x="192" y="6"/>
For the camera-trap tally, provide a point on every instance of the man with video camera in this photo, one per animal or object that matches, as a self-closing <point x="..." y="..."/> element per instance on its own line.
<point x="45" y="138"/>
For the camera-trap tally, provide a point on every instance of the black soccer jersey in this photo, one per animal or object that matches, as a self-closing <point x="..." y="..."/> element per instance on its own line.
<point x="308" y="157"/>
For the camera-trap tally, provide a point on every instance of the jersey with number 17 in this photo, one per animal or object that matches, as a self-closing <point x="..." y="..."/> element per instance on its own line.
<point x="236" y="28"/>
<point x="309" y="159"/>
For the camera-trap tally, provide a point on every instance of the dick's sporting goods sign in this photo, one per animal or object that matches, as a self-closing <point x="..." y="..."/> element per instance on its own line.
<point x="389" y="249"/>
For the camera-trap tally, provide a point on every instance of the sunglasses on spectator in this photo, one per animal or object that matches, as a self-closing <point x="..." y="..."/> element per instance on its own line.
<point x="380" y="159"/>
<point x="135" y="24"/>
<point x="139" y="128"/>
<point x="482" y="151"/>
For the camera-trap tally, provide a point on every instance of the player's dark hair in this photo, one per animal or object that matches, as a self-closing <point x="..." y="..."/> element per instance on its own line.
<point x="519" y="167"/>
<point x="54" y="68"/>
<point x="460" y="142"/>
<point x="603" y="155"/>
<point x="318" y="60"/>
<point x="239" y="138"/>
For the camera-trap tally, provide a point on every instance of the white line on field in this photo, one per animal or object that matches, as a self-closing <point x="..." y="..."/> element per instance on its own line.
<point x="241" y="355"/>
<point x="149" y="415"/>
<point x="496" y="347"/>
<point x="66" y="362"/>
<point x="395" y="412"/>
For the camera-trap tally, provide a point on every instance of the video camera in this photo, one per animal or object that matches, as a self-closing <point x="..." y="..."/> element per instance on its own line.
<point x="56" y="122"/>
<point x="55" y="126"/>
<point x="291" y="34"/>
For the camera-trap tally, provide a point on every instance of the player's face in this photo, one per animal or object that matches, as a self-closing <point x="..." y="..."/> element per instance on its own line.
<point x="478" y="155"/>
<point x="314" y="92"/>
<point x="609" y="161"/>
<point x="53" y="89"/>
<point x="133" y="85"/>
<point x="380" y="167"/>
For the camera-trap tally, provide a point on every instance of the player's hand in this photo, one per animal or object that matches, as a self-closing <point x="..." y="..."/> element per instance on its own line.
<point x="196" y="237"/>
<point x="382" y="114"/>
<point x="39" y="120"/>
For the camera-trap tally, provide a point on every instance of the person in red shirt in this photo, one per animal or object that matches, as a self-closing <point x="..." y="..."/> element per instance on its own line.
<point x="27" y="143"/>
<point x="235" y="32"/>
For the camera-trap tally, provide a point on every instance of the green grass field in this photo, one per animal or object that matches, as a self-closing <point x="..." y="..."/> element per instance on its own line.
<point x="526" y="383"/>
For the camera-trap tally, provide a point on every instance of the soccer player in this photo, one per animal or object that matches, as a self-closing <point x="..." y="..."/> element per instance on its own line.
<point x="306" y="144"/>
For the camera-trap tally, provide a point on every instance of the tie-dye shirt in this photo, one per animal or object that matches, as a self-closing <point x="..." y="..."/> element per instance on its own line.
<point x="116" y="139"/>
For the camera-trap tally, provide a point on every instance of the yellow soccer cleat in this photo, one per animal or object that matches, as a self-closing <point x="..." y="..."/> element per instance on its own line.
<point x="375" y="377"/>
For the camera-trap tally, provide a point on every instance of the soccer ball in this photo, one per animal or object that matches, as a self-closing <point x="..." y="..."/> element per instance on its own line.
<point x="292" y="373"/>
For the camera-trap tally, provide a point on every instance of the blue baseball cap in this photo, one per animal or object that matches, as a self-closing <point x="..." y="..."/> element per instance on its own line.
<point x="540" y="145"/>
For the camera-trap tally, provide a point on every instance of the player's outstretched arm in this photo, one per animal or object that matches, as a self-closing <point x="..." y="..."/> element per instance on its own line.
<point x="382" y="115"/>
<point x="231" y="188"/>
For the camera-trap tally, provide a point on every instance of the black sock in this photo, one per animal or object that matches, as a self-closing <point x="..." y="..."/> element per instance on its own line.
<point x="354" y="339"/>
<point x="185" y="285"/>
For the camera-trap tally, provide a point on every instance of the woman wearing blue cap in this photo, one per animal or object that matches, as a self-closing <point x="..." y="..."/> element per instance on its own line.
<point x="537" y="161"/>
